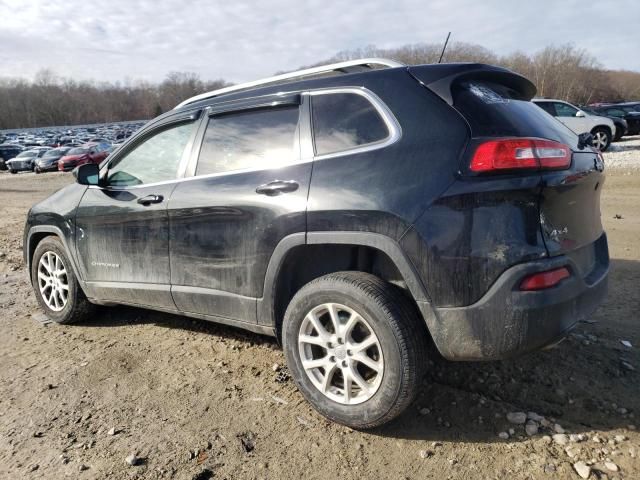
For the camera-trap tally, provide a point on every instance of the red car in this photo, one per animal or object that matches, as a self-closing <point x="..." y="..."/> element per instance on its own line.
<point x="87" y="153"/>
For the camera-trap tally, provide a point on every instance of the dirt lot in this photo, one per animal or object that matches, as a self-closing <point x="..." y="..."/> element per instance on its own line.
<point x="197" y="400"/>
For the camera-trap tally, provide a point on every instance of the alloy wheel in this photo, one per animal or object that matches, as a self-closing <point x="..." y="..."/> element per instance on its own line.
<point x="53" y="281"/>
<point x="600" y="140"/>
<point x="340" y="353"/>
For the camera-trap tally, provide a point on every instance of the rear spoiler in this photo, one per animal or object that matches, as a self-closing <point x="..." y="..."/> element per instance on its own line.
<point x="439" y="78"/>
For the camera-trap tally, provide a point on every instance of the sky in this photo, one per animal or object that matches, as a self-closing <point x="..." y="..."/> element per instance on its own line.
<point x="241" y="40"/>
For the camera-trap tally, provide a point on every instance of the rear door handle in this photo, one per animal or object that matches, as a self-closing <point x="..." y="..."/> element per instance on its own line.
<point x="277" y="187"/>
<point x="149" y="199"/>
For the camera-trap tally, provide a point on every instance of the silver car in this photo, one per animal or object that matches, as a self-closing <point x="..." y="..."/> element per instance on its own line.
<point x="25" y="161"/>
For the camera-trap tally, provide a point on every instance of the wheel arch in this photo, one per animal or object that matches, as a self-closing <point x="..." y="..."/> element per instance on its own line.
<point x="36" y="235"/>
<point x="300" y="258"/>
<point x="603" y="127"/>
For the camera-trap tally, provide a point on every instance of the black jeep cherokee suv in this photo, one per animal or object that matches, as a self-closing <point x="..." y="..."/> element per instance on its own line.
<point x="354" y="211"/>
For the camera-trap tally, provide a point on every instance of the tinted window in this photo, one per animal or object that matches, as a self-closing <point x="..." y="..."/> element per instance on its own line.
<point x="615" y="112"/>
<point x="547" y="107"/>
<point x="156" y="159"/>
<point x="565" y="110"/>
<point x="345" y="120"/>
<point x="260" y="139"/>
<point x="495" y="110"/>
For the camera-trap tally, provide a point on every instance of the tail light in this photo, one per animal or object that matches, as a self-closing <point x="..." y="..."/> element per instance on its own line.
<point x="520" y="153"/>
<point x="542" y="280"/>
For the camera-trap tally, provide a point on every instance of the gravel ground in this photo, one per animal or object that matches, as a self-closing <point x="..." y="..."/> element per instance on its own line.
<point x="624" y="155"/>
<point x="186" y="399"/>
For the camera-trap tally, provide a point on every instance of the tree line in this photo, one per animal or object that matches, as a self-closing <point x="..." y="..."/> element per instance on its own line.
<point x="564" y="72"/>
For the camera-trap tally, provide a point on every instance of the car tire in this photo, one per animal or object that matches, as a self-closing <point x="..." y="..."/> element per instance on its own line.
<point x="49" y="283"/>
<point x="369" y="311"/>
<point x="13" y="171"/>
<point x="3" y="165"/>
<point x="37" y="170"/>
<point x="601" y="138"/>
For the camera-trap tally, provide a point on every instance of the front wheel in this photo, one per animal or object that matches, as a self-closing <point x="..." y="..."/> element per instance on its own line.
<point x="601" y="139"/>
<point x="355" y="347"/>
<point x="13" y="171"/>
<point x="55" y="284"/>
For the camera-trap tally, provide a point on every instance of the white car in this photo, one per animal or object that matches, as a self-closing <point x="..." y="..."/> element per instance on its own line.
<point x="602" y="128"/>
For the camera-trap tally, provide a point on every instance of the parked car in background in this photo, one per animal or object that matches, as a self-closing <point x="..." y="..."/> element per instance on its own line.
<point x="620" y="123"/>
<point x="211" y="210"/>
<point x="632" y="106"/>
<point x="88" y="153"/>
<point x="625" y="112"/>
<point x="602" y="128"/>
<point x="25" y="161"/>
<point x="49" y="161"/>
<point x="7" y="152"/>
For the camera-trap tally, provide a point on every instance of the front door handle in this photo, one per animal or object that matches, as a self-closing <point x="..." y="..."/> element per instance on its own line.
<point x="149" y="199"/>
<point x="277" y="187"/>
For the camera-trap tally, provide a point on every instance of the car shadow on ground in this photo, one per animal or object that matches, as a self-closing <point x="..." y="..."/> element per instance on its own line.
<point x="625" y="145"/>
<point x="589" y="381"/>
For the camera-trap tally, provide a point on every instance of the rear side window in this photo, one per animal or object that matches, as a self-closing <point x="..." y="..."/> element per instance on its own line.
<point x="250" y="140"/>
<point x="342" y="121"/>
<point x="504" y="113"/>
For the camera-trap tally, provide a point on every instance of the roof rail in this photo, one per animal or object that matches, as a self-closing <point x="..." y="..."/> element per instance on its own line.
<point x="334" y="67"/>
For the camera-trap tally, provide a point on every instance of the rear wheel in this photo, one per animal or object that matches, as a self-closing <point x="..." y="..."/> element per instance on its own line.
<point x="12" y="171"/>
<point x="601" y="138"/>
<point x="55" y="284"/>
<point x="355" y="347"/>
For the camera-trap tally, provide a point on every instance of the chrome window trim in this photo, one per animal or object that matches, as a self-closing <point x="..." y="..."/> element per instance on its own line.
<point x="393" y="126"/>
<point x="305" y="155"/>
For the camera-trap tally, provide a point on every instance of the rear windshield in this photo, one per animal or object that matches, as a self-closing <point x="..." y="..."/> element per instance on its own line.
<point x="494" y="110"/>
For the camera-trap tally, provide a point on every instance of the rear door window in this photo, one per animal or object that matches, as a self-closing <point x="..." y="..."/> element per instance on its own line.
<point x="344" y="121"/>
<point x="548" y="107"/>
<point x="259" y="139"/>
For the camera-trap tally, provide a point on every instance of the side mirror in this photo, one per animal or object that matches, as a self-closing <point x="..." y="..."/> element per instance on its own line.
<point x="87" y="174"/>
<point x="580" y="113"/>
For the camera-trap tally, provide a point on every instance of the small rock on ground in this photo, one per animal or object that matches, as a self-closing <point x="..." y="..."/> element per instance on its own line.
<point x="611" y="466"/>
<point x="582" y="469"/>
<point x="517" y="417"/>
<point x="560" y="439"/>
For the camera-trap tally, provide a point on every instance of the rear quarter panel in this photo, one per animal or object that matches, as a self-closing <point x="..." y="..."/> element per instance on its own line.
<point x="385" y="190"/>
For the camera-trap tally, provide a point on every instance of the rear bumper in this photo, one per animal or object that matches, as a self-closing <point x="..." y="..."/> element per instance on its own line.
<point x="507" y="322"/>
